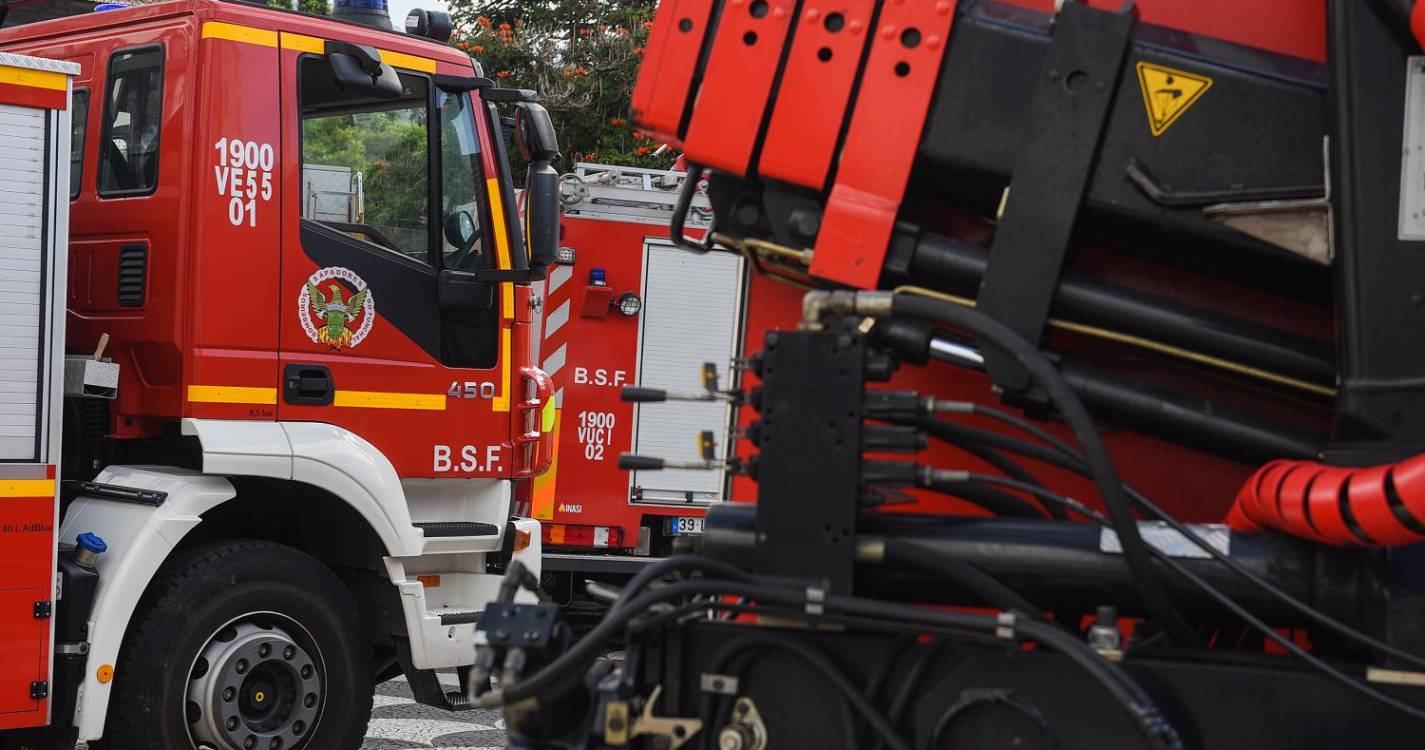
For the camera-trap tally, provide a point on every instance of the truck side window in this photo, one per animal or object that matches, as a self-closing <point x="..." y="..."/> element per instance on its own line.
<point x="365" y="162"/>
<point x="462" y="179"/>
<point x="79" y="116"/>
<point x="133" y="114"/>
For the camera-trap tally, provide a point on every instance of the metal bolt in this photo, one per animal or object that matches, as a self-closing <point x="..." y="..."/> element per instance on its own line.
<point x="229" y="694"/>
<point x="298" y="727"/>
<point x="276" y="743"/>
<point x="307" y="672"/>
<point x="616" y="723"/>
<point x="232" y="723"/>
<point x="288" y="653"/>
<point x="241" y="666"/>
<point x="250" y="742"/>
<point x="310" y="700"/>
<point x="264" y="650"/>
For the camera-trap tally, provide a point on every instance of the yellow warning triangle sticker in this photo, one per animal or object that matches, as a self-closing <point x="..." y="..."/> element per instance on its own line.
<point x="1169" y="93"/>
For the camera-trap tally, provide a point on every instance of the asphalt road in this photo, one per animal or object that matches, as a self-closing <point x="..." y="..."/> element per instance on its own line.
<point x="399" y="723"/>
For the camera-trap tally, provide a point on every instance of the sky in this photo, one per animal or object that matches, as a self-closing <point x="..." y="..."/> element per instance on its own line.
<point x="399" y="9"/>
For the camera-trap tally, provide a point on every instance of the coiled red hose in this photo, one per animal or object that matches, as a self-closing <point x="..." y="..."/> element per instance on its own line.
<point x="1377" y="506"/>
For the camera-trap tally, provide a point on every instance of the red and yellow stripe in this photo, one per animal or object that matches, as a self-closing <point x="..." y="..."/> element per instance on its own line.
<point x="41" y="89"/>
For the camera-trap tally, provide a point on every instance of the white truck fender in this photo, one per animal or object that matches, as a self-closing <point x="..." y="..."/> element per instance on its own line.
<point x="139" y="538"/>
<point x="323" y="455"/>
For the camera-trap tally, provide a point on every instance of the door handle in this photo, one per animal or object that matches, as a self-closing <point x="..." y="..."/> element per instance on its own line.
<point x="308" y="385"/>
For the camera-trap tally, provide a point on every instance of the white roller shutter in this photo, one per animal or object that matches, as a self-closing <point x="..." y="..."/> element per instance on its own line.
<point x="692" y="307"/>
<point x="22" y="209"/>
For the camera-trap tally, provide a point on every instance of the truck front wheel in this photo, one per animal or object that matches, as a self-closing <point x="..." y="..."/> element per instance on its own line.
<point x="241" y="645"/>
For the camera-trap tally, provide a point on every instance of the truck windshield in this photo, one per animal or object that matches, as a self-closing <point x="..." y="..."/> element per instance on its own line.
<point x="462" y="178"/>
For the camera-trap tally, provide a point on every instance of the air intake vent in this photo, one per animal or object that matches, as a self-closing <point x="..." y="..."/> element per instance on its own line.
<point x="133" y="275"/>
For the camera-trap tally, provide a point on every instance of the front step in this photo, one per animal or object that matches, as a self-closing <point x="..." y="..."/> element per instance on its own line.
<point x="425" y="684"/>
<point x="442" y="529"/>
<point x="457" y="615"/>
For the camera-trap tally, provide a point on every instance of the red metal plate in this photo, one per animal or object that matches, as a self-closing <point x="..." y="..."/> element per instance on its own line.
<point x="884" y="134"/>
<point x="741" y="69"/>
<point x="670" y="59"/>
<point x="815" y="94"/>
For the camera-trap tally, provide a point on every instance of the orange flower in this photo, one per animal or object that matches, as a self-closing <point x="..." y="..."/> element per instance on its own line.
<point x="637" y="136"/>
<point x="647" y="24"/>
<point x="503" y="74"/>
<point x="478" y="49"/>
<point x="482" y="21"/>
<point x="617" y="122"/>
<point x="638" y="51"/>
<point x="643" y="151"/>
<point x="505" y="27"/>
<point x="583" y="71"/>
<point x="583" y="32"/>
<point x="568" y="74"/>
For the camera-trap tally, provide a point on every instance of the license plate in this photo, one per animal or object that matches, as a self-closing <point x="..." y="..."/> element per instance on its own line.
<point x="683" y="525"/>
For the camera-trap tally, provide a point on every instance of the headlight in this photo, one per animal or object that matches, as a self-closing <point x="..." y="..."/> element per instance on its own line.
<point x="629" y="303"/>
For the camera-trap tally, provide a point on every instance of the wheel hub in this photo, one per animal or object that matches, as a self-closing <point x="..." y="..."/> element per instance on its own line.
<point x="253" y="687"/>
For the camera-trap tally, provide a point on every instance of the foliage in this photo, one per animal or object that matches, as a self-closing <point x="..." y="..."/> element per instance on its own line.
<point x="320" y="7"/>
<point x="582" y="56"/>
<point x="388" y="149"/>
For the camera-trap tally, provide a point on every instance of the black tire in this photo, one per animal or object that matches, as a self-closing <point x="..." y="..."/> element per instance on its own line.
<point x="198" y="595"/>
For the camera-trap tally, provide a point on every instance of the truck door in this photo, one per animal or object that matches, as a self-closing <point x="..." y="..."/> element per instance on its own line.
<point x="365" y="342"/>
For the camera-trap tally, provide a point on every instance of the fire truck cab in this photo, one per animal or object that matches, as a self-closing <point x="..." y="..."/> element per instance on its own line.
<point x="299" y="383"/>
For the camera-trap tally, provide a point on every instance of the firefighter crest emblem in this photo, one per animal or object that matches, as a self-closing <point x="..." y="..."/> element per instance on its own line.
<point x="336" y="308"/>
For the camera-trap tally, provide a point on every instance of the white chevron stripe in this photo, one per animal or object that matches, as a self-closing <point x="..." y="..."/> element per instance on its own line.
<point x="556" y="319"/>
<point x="555" y="362"/>
<point x="558" y="276"/>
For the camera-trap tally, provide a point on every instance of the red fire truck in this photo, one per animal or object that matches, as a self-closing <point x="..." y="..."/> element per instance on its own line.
<point x="630" y="309"/>
<point x="267" y="455"/>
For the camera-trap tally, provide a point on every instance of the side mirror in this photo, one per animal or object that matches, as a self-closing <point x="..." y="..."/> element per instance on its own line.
<point x="534" y="132"/>
<point x="460" y="230"/>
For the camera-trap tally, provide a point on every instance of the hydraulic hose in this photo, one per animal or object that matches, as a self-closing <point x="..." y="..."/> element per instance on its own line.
<point x="999" y="503"/>
<point x="1134" y="701"/>
<point x="982" y="585"/>
<point x="1376" y="506"/>
<point x="1149" y="581"/>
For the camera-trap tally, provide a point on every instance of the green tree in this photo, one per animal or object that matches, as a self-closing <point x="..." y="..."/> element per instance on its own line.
<point x="320" y="7"/>
<point x="582" y="56"/>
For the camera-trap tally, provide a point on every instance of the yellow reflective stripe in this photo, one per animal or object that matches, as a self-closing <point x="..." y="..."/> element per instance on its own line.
<point x="502" y="401"/>
<point x="231" y="394"/>
<point x="502" y="243"/>
<point x="235" y="33"/>
<point x="385" y="400"/>
<point x="38" y="79"/>
<point x="26" y="488"/>
<point x="542" y="504"/>
<point x="317" y="46"/>
<point x="546" y="422"/>
<point x="303" y="43"/>
<point x="409" y="62"/>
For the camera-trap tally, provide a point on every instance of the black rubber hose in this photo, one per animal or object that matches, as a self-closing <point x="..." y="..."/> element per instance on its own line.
<point x="1064" y="455"/>
<point x="1148" y="580"/>
<point x="960" y="573"/>
<point x="912" y="682"/>
<point x="570" y="665"/>
<point x="1004" y="465"/>
<point x="999" y="503"/>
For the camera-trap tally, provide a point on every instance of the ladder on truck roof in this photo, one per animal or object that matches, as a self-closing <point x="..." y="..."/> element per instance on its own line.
<point x="646" y="196"/>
